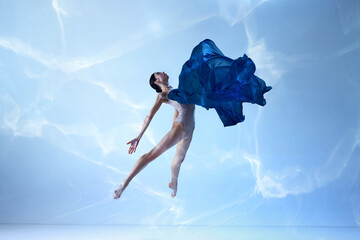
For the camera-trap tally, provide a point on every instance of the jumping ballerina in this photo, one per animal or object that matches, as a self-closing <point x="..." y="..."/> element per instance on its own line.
<point x="181" y="134"/>
<point x="208" y="79"/>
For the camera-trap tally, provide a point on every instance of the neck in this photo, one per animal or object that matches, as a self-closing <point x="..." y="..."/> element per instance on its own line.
<point x="165" y="88"/>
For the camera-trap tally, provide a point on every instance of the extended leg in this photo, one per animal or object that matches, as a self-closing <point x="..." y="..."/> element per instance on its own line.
<point x="181" y="150"/>
<point x="170" y="139"/>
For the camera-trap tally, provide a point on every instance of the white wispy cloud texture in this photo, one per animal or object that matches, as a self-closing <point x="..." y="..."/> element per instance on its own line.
<point x="59" y="11"/>
<point x="53" y="63"/>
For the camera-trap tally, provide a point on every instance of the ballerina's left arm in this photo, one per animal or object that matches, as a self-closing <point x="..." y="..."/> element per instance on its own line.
<point x="133" y="143"/>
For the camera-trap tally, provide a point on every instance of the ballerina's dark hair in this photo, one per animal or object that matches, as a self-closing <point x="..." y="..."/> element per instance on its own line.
<point x="153" y="84"/>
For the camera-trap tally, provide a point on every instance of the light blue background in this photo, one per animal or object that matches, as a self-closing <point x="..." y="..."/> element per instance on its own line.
<point x="74" y="90"/>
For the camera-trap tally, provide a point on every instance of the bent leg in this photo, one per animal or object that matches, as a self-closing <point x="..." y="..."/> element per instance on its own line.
<point x="169" y="140"/>
<point x="181" y="150"/>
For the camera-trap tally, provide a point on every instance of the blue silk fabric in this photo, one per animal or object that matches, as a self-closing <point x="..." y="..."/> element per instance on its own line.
<point x="212" y="80"/>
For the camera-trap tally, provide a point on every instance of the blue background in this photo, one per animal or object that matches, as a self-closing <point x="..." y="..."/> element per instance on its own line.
<point x="74" y="90"/>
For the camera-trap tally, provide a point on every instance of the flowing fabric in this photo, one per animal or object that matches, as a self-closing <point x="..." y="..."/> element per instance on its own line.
<point x="212" y="80"/>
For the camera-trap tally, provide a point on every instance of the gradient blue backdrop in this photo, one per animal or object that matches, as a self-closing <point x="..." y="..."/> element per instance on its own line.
<point x="74" y="90"/>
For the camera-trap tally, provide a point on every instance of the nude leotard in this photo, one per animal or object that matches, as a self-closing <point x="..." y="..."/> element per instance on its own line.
<point x="185" y="115"/>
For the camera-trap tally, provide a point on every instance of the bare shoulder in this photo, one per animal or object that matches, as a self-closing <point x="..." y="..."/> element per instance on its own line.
<point x="162" y="97"/>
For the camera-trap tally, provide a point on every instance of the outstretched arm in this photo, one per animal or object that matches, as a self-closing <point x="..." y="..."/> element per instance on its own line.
<point x="154" y="109"/>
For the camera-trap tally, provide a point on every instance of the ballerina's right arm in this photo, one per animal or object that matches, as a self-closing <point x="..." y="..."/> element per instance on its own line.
<point x="133" y="143"/>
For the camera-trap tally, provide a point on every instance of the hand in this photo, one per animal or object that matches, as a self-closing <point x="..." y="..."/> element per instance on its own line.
<point x="133" y="145"/>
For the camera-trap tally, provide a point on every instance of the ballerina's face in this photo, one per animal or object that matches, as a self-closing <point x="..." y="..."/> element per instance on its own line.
<point x="161" y="77"/>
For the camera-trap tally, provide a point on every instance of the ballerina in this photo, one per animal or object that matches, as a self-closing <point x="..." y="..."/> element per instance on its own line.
<point x="181" y="134"/>
<point x="208" y="79"/>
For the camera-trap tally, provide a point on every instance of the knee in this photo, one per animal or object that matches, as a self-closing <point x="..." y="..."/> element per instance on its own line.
<point x="149" y="156"/>
<point x="177" y="161"/>
<point x="145" y="157"/>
